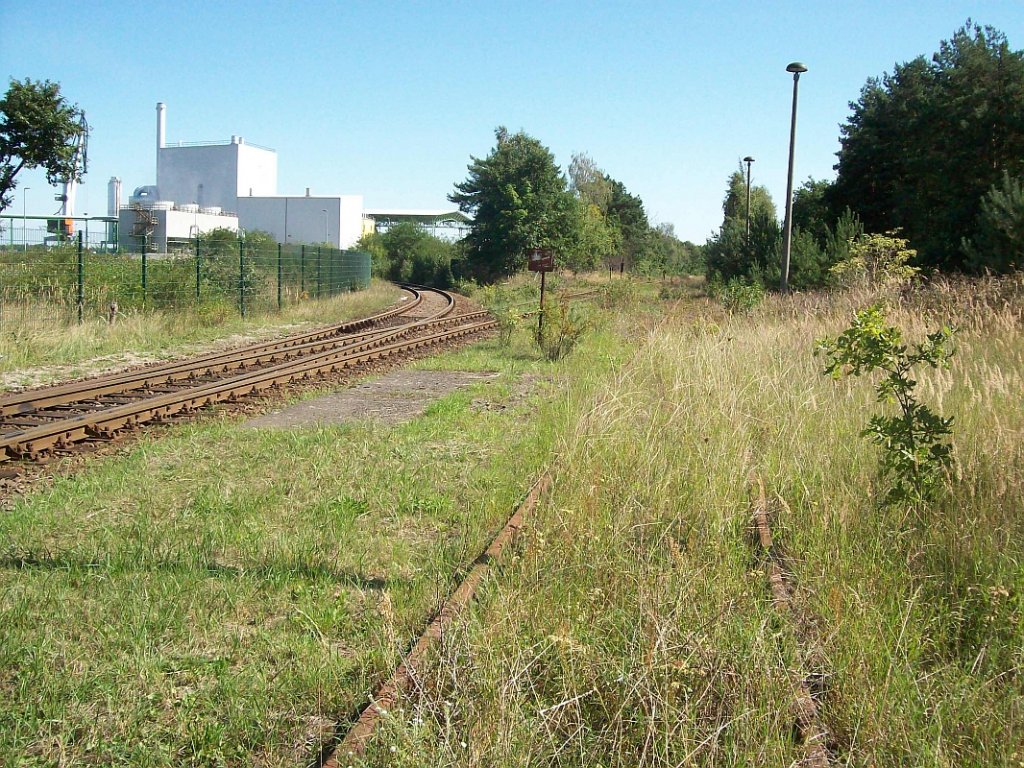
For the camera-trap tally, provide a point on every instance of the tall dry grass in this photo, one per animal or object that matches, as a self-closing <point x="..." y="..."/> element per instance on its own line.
<point x="635" y="628"/>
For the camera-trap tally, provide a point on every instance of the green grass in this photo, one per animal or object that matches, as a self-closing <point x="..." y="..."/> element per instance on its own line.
<point x="223" y="596"/>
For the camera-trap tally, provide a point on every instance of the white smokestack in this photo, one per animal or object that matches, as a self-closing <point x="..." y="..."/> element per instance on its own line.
<point x="161" y="135"/>
<point x="161" y="125"/>
<point x="113" y="196"/>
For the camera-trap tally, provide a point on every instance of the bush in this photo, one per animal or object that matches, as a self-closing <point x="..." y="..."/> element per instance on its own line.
<point x="914" y="456"/>
<point x="876" y="260"/>
<point x="738" y="295"/>
<point x="560" y="331"/>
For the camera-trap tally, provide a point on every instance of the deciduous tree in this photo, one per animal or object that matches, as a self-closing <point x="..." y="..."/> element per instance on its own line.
<point x="38" y="129"/>
<point x="519" y="200"/>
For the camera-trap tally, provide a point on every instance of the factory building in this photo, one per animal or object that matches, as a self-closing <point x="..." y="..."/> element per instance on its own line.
<point x="334" y="219"/>
<point x="201" y="186"/>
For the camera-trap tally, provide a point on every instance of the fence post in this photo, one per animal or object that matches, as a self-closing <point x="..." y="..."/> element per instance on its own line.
<point x="81" y="279"/>
<point x="278" y="277"/>
<point x="302" y="272"/>
<point x="241" y="276"/>
<point x="145" y="269"/>
<point x="198" y="267"/>
<point x="319" y="282"/>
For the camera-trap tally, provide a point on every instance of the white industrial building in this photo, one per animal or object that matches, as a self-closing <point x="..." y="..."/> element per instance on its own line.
<point x="334" y="219"/>
<point x="233" y="185"/>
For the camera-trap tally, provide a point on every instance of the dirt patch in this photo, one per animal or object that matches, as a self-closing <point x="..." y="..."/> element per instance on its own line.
<point x="394" y="398"/>
<point x="526" y="386"/>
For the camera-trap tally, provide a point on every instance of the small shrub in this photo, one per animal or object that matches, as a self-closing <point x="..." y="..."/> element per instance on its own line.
<point x="738" y="295"/>
<point x="620" y="293"/>
<point x="508" y="319"/>
<point x="876" y="260"/>
<point x="561" y="331"/>
<point x="914" y="455"/>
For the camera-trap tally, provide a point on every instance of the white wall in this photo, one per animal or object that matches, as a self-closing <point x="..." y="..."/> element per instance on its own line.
<point x="351" y="224"/>
<point x="216" y="174"/>
<point x="303" y="219"/>
<point x="175" y="225"/>
<point x="257" y="171"/>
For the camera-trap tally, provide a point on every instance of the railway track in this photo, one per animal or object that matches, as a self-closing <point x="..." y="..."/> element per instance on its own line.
<point x="35" y="423"/>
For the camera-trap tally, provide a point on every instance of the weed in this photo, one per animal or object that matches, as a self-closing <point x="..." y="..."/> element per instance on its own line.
<point x="560" y="331"/>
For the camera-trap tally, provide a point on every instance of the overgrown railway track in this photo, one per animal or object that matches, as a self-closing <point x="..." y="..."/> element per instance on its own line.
<point x="35" y="423"/>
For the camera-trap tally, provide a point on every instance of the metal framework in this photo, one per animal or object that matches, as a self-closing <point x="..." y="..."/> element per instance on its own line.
<point x="440" y="223"/>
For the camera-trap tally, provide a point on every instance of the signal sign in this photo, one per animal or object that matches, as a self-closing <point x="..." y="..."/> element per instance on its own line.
<point x="541" y="260"/>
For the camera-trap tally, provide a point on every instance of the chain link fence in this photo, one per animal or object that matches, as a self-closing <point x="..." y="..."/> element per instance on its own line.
<point x="69" y="282"/>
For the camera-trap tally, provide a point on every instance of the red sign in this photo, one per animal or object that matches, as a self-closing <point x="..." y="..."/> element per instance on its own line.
<point x="541" y="260"/>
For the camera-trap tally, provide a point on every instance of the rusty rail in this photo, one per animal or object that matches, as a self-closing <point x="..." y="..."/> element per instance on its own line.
<point x="358" y="737"/>
<point x="813" y="733"/>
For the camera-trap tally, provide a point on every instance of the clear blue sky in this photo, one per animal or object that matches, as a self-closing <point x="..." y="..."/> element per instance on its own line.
<point x="390" y="100"/>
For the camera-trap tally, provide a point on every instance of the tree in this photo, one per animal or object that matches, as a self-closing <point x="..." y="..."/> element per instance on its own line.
<point x="518" y="199"/>
<point x="998" y="242"/>
<point x="925" y="143"/>
<point x="407" y="253"/>
<point x="597" y="239"/>
<point x="730" y="253"/>
<point x="589" y="183"/>
<point x="811" y="211"/>
<point x="667" y="253"/>
<point x="38" y="128"/>
<point x="626" y="213"/>
<point x="735" y="204"/>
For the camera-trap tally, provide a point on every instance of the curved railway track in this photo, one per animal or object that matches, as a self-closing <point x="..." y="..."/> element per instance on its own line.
<point x="36" y="422"/>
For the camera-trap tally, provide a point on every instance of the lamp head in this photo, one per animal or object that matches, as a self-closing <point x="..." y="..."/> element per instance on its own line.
<point x="796" y="67"/>
<point x="748" y="159"/>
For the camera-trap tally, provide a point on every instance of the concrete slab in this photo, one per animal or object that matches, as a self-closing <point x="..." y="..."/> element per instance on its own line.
<point x="394" y="398"/>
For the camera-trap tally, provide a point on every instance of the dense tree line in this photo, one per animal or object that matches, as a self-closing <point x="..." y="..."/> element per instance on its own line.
<point x="520" y="199"/>
<point x="934" y="150"/>
<point x="927" y="144"/>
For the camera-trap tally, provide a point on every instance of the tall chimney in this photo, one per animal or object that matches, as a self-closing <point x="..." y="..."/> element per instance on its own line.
<point x="161" y="125"/>
<point x="161" y="135"/>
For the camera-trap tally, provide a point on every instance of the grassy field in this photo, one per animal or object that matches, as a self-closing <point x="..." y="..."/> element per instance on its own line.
<point x="635" y="628"/>
<point x="222" y="596"/>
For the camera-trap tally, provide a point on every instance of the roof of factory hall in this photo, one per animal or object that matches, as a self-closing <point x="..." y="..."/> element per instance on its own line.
<point x="416" y="214"/>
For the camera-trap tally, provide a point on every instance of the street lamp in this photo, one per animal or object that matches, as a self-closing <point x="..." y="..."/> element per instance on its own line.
<point x="787" y="236"/>
<point x="327" y="230"/>
<point x="24" y="218"/>
<point x="748" y="160"/>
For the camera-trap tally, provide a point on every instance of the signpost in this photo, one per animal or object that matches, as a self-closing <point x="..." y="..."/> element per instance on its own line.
<point x="541" y="260"/>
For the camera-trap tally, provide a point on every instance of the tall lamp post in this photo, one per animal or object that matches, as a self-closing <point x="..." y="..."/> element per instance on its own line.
<point x="748" y="160"/>
<point x="787" y="235"/>
<point x="24" y="218"/>
<point x="327" y="229"/>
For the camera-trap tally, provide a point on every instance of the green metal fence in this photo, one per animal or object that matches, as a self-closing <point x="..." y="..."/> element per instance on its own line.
<point x="70" y="283"/>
